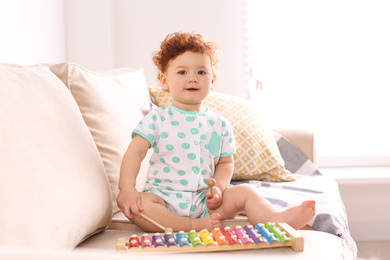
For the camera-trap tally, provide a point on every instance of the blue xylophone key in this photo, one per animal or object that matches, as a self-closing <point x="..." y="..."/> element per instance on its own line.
<point x="266" y="233"/>
<point x="182" y="239"/>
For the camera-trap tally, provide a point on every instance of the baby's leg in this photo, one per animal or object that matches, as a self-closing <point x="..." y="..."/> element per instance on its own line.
<point x="259" y="210"/>
<point x="156" y="208"/>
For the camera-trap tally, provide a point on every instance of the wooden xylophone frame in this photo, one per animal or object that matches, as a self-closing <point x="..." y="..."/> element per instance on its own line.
<point x="295" y="242"/>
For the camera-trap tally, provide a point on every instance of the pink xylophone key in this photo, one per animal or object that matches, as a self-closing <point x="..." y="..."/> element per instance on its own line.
<point x="146" y="241"/>
<point x="242" y="235"/>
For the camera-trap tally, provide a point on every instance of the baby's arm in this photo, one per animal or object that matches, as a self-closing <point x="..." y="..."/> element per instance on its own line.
<point x="129" y="200"/>
<point x="223" y="175"/>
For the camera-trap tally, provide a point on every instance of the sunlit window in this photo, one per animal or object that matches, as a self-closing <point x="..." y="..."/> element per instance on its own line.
<point x="325" y="65"/>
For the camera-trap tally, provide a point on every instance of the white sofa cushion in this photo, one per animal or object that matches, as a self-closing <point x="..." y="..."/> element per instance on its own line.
<point x="53" y="190"/>
<point x="112" y="103"/>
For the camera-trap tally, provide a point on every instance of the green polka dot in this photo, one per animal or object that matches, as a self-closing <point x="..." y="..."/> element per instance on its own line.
<point x="181" y="172"/>
<point x="204" y="172"/>
<point x="200" y="125"/>
<point x="194" y="131"/>
<point x="151" y="163"/>
<point x="175" y="123"/>
<point x="185" y="145"/>
<point x="205" y="180"/>
<point x="183" y="205"/>
<point x="191" y="156"/>
<point x="164" y="135"/>
<point x="166" y="169"/>
<point x="227" y="133"/>
<point x="170" y="113"/>
<point x="176" y="159"/>
<point x="155" y="173"/>
<point x="169" y="147"/>
<point x="170" y="188"/>
<point x="152" y="126"/>
<point x="203" y="137"/>
<point x="168" y="180"/>
<point x="184" y="182"/>
<point x="162" y="118"/>
<point x="150" y="137"/>
<point x="181" y="135"/>
<point x="162" y="160"/>
<point x="154" y="117"/>
<point x="231" y="140"/>
<point x="201" y="160"/>
<point x="156" y="150"/>
<point x="211" y="122"/>
<point x="196" y="169"/>
<point x="190" y="118"/>
<point x="179" y="195"/>
<point x="223" y="123"/>
<point x="194" y="208"/>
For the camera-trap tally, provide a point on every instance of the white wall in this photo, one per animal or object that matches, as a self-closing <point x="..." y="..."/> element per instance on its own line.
<point x="103" y="34"/>
<point x="32" y="31"/>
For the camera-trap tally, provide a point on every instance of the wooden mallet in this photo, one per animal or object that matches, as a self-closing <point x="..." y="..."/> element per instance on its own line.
<point x="166" y="230"/>
<point x="211" y="182"/>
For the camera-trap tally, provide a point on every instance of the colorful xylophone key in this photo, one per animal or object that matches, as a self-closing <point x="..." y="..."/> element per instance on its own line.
<point x="244" y="237"/>
<point x="170" y="240"/>
<point x="231" y="238"/>
<point x="194" y="238"/>
<point x="206" y="237"/>
<point x="219" y="236"/>
<point x="146" y="241"/>
<point x="182" y="239"/>
<point x="279" y="234"/>
<point x="252" y="232"/>
<point x="158" y="240"/>
<point x="266" y="233"/>
<point x="134" y="241"/>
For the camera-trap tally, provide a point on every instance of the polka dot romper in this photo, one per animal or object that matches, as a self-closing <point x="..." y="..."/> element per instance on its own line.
<point x="187" y="147"/>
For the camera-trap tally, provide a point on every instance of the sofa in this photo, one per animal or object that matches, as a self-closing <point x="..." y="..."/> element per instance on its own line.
<point x="64" y="130"/>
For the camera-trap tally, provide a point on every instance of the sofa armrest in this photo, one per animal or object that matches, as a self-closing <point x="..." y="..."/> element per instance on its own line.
<point x="303" y="139"/>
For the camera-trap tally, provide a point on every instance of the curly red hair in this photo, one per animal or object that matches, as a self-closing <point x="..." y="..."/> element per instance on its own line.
<point x="177" y="43"/>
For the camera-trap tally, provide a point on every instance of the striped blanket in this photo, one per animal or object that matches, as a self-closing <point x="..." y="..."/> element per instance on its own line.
<point x="310" y="184"/>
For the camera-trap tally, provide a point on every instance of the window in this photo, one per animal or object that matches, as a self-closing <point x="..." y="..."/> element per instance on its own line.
<point x="325" y="65"/>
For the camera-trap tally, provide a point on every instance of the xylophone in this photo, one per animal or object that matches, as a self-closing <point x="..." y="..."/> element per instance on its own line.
<point x="268" y="235"/>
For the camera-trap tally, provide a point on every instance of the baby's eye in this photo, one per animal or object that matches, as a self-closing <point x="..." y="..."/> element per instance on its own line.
<point x="182" y="72"/>
<point x="201" y="72"/>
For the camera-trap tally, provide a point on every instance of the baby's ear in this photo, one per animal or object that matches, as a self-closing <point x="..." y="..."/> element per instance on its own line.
<point x="163" y="82"/>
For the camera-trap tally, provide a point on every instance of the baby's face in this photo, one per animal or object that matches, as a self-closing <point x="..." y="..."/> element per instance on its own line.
<point x="189" y="79"/>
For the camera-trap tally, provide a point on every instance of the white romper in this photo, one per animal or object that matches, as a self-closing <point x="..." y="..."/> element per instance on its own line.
<point x="187" y="147"/>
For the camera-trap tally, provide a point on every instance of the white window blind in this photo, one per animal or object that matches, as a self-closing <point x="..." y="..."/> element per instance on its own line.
<point x="325" y="65"/>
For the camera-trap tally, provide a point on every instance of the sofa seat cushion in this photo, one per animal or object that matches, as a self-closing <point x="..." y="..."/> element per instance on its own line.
<point x="53" y="190"/>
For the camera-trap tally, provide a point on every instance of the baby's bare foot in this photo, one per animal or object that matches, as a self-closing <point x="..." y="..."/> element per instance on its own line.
<point x="298" y="216"/>
<point x="209" y="222"/>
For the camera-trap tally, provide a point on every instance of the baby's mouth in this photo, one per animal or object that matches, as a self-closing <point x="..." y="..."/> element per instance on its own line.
<point x="192" y="89"/>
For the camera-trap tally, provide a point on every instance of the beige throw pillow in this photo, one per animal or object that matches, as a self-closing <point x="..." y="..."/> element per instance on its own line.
<point x="257" y="156"/>
<point x="112" y="103"/>
<point x="54" y="191"/>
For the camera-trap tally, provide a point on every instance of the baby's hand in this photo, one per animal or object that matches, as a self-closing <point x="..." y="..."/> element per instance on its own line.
<point x="216" y="201"/>
<point x="129" y="201"/>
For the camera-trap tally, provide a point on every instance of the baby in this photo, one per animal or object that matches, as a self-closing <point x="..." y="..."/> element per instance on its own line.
<point x="191" y="145"/>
